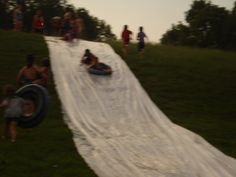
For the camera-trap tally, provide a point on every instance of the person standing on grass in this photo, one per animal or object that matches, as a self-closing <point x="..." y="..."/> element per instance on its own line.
<point x="141" y="41"/>
<point x="13" y="111"/>
<point x="126" y="36"/>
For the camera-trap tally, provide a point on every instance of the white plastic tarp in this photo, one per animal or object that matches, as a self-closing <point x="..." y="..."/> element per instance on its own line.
<point x="117" y="129"/>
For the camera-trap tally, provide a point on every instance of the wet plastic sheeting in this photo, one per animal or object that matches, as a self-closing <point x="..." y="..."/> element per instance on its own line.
<point x="117" y="129"/>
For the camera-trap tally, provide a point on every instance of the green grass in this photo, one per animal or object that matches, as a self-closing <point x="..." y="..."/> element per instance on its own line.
<point x="48" y="150"/>
<point x="194" y="88"/>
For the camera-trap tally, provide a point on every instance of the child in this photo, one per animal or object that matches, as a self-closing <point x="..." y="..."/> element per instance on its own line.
<point x="126" y="36"/>
<point x="92" y="62"/>
<point x="141" y="42"/>
<point x="13" y="111"/>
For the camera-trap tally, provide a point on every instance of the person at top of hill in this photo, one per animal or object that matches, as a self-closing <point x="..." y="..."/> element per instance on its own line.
<point x="68" y="25"/>
<point x="141" y="41"/>
<point x="126" y="36"/>
<point x="38" y="22"/>
<point x="28" y="74"/>
<point x="17" y="18"/>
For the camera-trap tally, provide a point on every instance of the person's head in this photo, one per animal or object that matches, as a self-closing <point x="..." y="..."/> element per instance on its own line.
<point x="18" y="6"/>
<point x="9" y="90"/>
<point x="87" y="51"/>
<point x="125" y="27"/>
<point x="39" y="12"/>
<point x="140" y="28"/>
<point x="30" y="60"/>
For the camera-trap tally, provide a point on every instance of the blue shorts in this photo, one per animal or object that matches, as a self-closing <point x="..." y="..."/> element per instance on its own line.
<point x="141" y="46"/>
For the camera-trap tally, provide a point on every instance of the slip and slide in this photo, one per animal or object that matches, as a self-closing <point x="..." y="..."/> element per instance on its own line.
<point x="116" y="127"/>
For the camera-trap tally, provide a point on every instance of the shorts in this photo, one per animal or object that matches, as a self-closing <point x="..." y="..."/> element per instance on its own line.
<point x="11" y="119"/>
<point x="126" y="41"/>
<point x="141" y="46"/>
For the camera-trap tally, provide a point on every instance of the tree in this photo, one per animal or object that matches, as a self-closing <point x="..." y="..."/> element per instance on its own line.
<point x="207" y="23"/>
<point x="231" y="32"/>
<point x="207" y="26"/>
<point x="94" y="29"/>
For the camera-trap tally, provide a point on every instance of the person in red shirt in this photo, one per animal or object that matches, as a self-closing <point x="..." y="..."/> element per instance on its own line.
<point x="126" y="37"/>
<point x="38" y="22"/>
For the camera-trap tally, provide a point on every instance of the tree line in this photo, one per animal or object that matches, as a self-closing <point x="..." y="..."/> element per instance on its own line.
<point x="207" y="26"/>
<point x="94" y="28"/>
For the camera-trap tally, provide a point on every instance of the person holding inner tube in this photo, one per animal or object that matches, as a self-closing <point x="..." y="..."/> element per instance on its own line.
<point x="93" y="63"/>
<point x="13" y="111"/>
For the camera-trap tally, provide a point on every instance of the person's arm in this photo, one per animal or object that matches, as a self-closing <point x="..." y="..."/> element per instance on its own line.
<point x="4" y="103"/>
<point x="137" y="37"/>
<point x="147" y="38"/>
<point x="19" y="75"/>
<point x="83" y="59"/>
<point x="131" y="35"/>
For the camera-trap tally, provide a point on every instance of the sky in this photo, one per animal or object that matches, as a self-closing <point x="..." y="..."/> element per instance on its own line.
<point x="156" y="16"/>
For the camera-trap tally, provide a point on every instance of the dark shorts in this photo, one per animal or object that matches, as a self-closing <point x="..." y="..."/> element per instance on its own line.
<point x="141" y="46"/>
<point x="11" y="119"/>
<point x="25" y="81"/>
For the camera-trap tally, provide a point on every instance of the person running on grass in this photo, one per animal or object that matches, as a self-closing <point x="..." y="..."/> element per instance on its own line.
<point x="13" y="111"/>
<point x="141" y="41"/>
<point x="126" y="36"/>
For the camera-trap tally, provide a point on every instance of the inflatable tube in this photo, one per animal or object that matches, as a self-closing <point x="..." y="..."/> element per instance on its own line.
<point x="39" y="98"/>
<point x="101" y="69"/>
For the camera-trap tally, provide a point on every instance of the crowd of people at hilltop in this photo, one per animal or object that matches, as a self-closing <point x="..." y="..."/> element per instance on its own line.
<point x="69" y="26"/>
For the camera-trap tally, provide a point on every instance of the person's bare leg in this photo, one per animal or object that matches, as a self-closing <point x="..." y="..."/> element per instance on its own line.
<point x="12" y="127"/>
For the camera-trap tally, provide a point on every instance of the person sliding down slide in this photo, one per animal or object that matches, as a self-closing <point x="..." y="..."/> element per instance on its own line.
<point x="94" y="66"/>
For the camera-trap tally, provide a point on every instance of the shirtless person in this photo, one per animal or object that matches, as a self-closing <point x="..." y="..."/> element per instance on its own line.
<point x="29" y="74"/>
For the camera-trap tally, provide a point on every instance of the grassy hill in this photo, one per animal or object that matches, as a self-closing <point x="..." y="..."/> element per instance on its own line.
<point x="194" y="88"/>
<point x="48" y="150"/>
